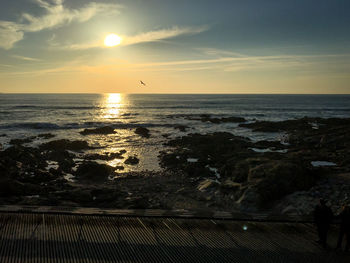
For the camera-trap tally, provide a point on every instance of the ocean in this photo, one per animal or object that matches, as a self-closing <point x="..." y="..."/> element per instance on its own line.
<point x="65" y="115"/>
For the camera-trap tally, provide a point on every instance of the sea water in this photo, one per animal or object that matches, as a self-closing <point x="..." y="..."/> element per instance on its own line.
<point x="65" y="115"/>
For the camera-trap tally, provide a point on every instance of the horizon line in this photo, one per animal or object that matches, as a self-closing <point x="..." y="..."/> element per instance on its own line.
<point x="237" y="93"/>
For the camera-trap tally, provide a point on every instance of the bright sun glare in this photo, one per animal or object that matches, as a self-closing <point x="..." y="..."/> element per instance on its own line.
<point x="112" y="104"/>
<point x="112" y="40"/>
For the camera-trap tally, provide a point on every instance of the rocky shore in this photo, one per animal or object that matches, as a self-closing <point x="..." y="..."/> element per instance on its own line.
<point x="218" y="171"/>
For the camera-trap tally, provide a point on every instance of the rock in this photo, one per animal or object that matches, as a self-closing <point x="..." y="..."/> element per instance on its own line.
<point x="10" y="187"/>
<point x="139" y="203"/>
<point x="119" y="167"/>
<point x="101" y="130"/>
<point x="132" y="160"/>
<point x="270" y="126"/>
<point x="59" y="155"/>
<point x="276" y="145"/>
<point x="208" y="118"/>
<point x="206" y="185"/>
<point x="64" y="144"/>
<point x="169" y="160"/>
<point x="29" y="157"/>
<point x="46" y="135"/>
<point x="39" y="176"/>
<point x="22" y="141"/>
<point x="144" y="132"/>
<point x="92" y="171"/>
<point x="249" y="200"/>
<point x="79" y="196"/>
<point x="182" y="128"/>
<point x="106" y="156"/>
<point x="63" y="157"/>
<point x="290" y="210"/>
<point x="230" y="185"/>
<point x="282" y="178"/>
<point x="242" y="168"/>
<point x="3" y="135"/>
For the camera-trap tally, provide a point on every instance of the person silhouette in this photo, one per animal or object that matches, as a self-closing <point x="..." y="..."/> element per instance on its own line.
<point x="344" y="230"/>
<point x="323" y="217"/>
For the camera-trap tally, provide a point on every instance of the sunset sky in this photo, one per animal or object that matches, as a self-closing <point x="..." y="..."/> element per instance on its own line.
<point x="206" y="46"/>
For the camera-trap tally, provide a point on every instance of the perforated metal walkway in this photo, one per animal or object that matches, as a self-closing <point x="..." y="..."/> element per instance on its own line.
<point x="42" y="237"/>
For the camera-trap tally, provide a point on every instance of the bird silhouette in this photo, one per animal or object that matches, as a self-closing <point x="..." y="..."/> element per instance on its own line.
<point x="142" y="83"/>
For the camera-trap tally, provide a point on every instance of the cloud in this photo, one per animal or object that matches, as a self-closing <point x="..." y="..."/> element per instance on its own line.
<point x="10" y="33"/>
<point x="151" y="36"/>
<point x="336" y="65"/>
<point x="26" y="58"/>
<point x="247" y="63"/>
<point x="56" y="15"/>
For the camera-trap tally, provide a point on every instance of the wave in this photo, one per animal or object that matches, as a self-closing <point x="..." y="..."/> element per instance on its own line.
<point x="50" y="107"/>
<point x="31" y="125"/>
<point x="67" y="126"/>
<point x="212" y="105"/>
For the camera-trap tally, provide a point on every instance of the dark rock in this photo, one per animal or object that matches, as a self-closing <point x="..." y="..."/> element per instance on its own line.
<point x="276" y="145"/>
<point x="207" y="184"/>
<point x="106" y="156"/>
<point x="39" y="176"/>
<point x="230" y="185"/>
<point x="10" y="187"/>
<point x="182" y="128"/>
<point x="46" y="135"/>
<point x="101" y="130"/>
<point x="104" y="196"/>
<point x="63" y="157"/>
<point x="79" y="196"/>
<point x="270" y="126"/>
<point x="282" y="178"/>
<point x="208" y="118"/>
<point x="132" y="160"/>
<point x="215" y="146"/>
<point x="233" y="119"/>
<point x="29" y="157"/>
<point x="139" y="203"/>
<point x="3" y="135"/>
<point x="22" y="141"/>
<point x="65" y="145"/>
<point x="92" y="171"/>
<point x="59" y="155"/>
<point x="144" y="132"/>
<point x="196" y="170"/>
<point x="169" y="160"/>
<point x="119" y="167"/>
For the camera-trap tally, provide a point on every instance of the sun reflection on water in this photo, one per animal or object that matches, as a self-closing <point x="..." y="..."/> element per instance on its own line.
<point x="112" y="104"/>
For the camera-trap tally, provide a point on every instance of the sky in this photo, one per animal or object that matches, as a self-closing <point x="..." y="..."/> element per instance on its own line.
<point x="204" y="46"/>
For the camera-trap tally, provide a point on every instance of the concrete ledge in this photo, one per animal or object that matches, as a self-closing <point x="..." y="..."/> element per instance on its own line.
<point x="179" y="213"/>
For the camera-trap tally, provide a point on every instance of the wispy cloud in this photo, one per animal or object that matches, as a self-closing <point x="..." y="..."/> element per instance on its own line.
<point x="157" y="35"/>
<point x="26" y="58"/>
<point x="10" y="33"/>
<point x="56" y="15"/>
<point x="241" y="62"/>
<point x="151" y="36"/>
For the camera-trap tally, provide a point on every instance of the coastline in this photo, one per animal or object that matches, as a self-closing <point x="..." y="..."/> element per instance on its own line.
<point x="199" y="171"/>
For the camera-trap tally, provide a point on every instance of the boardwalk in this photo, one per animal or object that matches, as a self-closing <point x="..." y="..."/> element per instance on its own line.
<point x="45" y="237"/>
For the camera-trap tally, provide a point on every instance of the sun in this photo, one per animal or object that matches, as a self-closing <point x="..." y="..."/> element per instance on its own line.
<point x="112" y="40"/>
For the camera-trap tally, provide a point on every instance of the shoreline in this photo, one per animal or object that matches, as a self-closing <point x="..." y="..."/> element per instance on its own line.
<point x="199" y="171"/>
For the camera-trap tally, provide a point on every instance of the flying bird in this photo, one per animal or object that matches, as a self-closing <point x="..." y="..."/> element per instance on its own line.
<point x="142" y="83"/>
